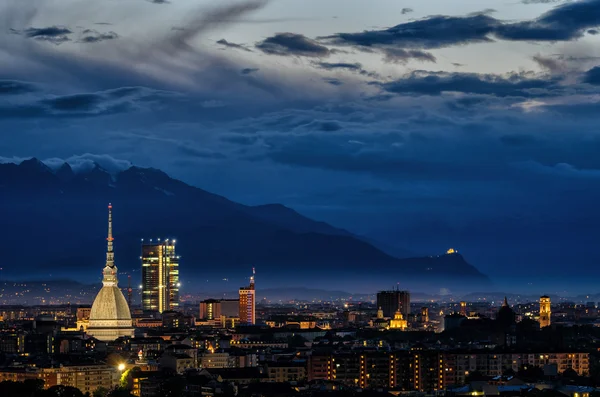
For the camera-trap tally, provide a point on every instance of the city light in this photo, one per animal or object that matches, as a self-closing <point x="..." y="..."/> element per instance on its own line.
<point x="121" y="367"/>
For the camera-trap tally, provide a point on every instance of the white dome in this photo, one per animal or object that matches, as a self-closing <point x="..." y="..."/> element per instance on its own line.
<point x="110" y="304"/>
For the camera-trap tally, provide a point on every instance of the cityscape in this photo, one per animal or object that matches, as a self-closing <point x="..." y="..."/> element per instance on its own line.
<point x="299" y="198"/>
<point x="158" y="344"/>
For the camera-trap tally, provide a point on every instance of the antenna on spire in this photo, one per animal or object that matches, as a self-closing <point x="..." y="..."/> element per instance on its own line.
<point x="110" y="256"/>
<point x="252" y="278"/>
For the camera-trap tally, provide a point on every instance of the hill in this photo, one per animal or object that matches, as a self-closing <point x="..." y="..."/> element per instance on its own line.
<point x="54" y="222"/>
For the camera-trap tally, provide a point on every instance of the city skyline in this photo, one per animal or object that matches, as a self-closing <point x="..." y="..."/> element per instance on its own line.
<point x="421" y="126"/>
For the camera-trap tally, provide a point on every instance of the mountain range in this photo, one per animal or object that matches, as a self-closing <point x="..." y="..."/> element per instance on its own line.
<point x="54" y="224"/>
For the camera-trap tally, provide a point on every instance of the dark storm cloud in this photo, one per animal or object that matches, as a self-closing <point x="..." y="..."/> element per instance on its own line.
<point x="398" y="55"/>
<point x="593" y="31"/>
<point x="592" y="76"/>
<point x="53" y="34"/>
<point x="12" y="87"/>
<point x="433" y="32"/>
<point x="565" y="22"/>
<point x="292" y="44"/>
<point x="435" y="83"/>
<point x="249" y="70"/>
<point x="229" y="44"/>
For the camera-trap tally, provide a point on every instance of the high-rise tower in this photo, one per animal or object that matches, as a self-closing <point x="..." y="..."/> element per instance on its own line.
<point x="545" y="311"/>
<point x="110" y="317"/>
<point x="160" y="276"/>
<point x="394" y="300"/>
<point x="247" y="302"/>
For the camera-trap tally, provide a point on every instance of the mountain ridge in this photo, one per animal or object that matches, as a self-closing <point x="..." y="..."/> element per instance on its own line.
<point x="222" y="237"/>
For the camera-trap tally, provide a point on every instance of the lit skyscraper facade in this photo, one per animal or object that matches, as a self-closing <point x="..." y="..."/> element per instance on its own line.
<point x="392" y="301"/>
<point x="160" y="276"/>
<point x="247" y="303"/>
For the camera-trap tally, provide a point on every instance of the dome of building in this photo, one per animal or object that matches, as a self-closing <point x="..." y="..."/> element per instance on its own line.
<point x="506" y="315"/>
<point x="110" y="304"/>
<point x="110" y="317"/>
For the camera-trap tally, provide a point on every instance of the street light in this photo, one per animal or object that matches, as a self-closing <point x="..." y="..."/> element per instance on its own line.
<point x="121" y="367"/>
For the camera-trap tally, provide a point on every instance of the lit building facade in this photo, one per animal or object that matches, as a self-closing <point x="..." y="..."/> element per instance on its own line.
<point x="247" y="303"/>
<point x="392" y="301"/>
<point x="398" y="322"/>
<point x="213" y="309"/>
<point x="545" y="311"/>
<point x="160" y="276"/>
<point x="425" y="370"/>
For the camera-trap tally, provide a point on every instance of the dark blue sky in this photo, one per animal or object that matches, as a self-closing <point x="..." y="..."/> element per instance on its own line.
<point x="425" y="125"/>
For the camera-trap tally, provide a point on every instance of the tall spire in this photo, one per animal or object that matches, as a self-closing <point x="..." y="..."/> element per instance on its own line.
<point x="110" y="256"/>
<point x="252" y="278"/>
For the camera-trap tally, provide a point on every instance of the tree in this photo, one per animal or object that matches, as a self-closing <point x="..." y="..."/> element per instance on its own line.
<point x="120" y="392"/>
<point x="100" y="392"/>
<point x="172" y="387"/>
<point x="126" y="377"/>
<point x="63" y="391"/>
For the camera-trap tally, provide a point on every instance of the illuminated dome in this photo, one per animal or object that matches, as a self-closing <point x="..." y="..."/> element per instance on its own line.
<point x="110" y="317"/>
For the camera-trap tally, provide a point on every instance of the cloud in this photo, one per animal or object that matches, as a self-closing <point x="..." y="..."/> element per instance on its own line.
<point x="87" y="161"/>
<point x="565" y="22"/>
<point x="125" y="99"/>
<point x="12" y="87"/>
<point x="229" y="44"/>
<point x="592" y="76"/>
<point x="334" y="82"/>
<point x="249" y="70"/>
<point x="93" y="36"/>
<point x="433" y="32"/>
<point x="292" y="44"/>
<point x="542" y="1"/>
<point x="53" y="34"/>
<point x="435" y="83"/>
<point x="549" y="64"/>
<point x="406" y="10"/>
<point x="339" y="65"/>
<point x="398" y="55"/>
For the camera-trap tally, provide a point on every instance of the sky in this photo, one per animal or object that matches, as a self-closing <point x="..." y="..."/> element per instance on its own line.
<point x="426" y="125"/>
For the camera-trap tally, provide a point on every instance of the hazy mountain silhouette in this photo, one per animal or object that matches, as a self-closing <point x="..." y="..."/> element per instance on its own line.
<point x="54" y="222"/>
